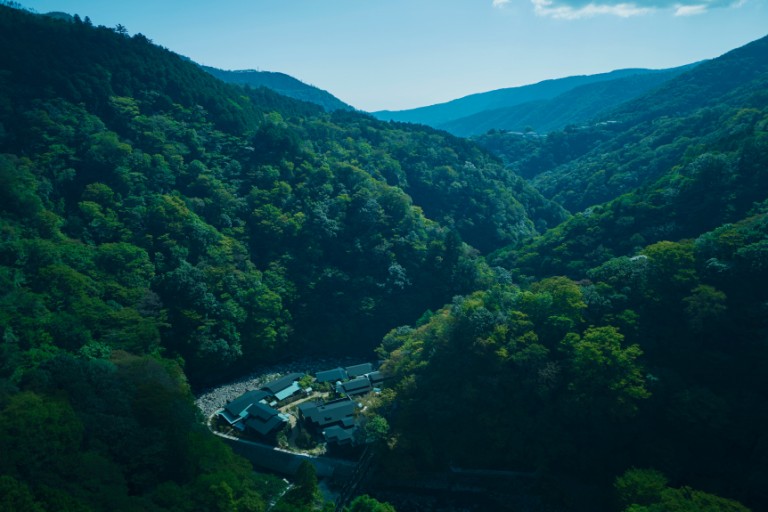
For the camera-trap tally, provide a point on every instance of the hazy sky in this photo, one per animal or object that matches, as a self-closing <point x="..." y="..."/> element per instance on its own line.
<point x="396" y="54"/>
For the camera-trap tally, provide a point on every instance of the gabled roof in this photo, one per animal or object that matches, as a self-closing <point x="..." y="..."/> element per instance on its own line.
<point x="249" y="410"/>
<point x="290" y="390"/>
<point x="376" y="377"/>
<point x="236" y="407"/>
<point x="266" y="426"/>
<point x="356" y="386"/>
<point x="359" y="369"/>
<point x="332" y="412"/>
<point x="261" y="412"/>
<point x="331" y="375"/>
<point x="307" y="409"/>
<point x="231" y="418"/>
<point x="339" y="435"/>
<point x="280" y="384"/>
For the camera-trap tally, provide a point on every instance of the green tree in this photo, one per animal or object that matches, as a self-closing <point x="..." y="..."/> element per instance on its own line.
<point x="376" y="428"/>
<point x="603" y="373"/>
<point x="365" y="503"/>
<point x="16" y="497"/>
<point x="305" y="491"/>
<point x="38" y="436"/>
<point x="671" y="269"/>
<point x="646" y="490"/>
<point x="705" y="307"/>
<point x="639" y="486"/>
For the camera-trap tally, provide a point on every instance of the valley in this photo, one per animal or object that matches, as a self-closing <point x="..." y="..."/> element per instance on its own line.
<point x="571" y="320"/>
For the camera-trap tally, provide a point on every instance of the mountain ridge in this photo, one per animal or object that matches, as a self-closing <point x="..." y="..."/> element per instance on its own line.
<point x="441" y="113"/>
<point x="281" y="83"/>
<point x="576" y="106"/>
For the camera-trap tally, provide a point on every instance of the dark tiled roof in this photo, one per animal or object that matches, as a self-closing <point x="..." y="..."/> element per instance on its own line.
<point x="264" y="427"/>
<point x="376" y="377"/>
<point x="339" y="435"/>
<point x="261" y="411"/>
<point x="331" y="375"/>
<point x="357" y="386"/>
<point x="359" y="369"/>
<point x="241" y="403"/>
<point x="329" y="413"/>
<point x="280" y="384"/>
<point x="308" y="408"/>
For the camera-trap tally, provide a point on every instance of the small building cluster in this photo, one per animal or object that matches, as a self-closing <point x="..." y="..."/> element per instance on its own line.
<point x="335" y="420"/>
<point x="254" y="411"/>
<point x="352" y="380"/>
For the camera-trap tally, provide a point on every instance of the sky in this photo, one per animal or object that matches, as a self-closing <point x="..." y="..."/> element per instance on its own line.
<point x="400" y="54"/>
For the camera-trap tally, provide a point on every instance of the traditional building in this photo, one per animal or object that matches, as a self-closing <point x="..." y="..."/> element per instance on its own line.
<point x="264" y="420"/>
<point x="335" y="375"/>
<point x="283" y="388"/>
<point x="249" y="413"/>
<point x="358" y="370"/>
<point x="335" y="420"/>
<point x="358" y="386"/>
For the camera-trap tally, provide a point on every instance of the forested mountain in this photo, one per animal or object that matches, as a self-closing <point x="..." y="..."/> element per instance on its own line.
<point x="282" y="84"/>
<point x="198" y="179"/>
<point x="576" y="106"/>
<point x="713" y="108"/>
<point x="159" y="225"/>
<point x="634" y="334"/>
<point x="162" y="230"/>
<point x="444" y="113"/>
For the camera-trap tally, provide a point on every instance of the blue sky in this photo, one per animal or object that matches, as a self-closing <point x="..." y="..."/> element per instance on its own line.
<point x="397" y="54"/>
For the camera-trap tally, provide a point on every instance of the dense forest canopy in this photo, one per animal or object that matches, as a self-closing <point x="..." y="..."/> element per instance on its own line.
<point x="162" y="231"/>
<point x="649" y="354"/>
<point x="253" y="222"/>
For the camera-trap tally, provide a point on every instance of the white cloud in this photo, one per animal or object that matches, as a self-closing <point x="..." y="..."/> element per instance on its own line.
<point x="577" y="9"/>
<point x="500" y="3"/>
<point x="564" y="11"/>
<point x="690" y="10"/>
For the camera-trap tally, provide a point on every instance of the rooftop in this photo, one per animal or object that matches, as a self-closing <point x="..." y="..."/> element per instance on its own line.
<point x="339" y="435"/>
<point x="359" y="369"/>
<point x="331" y="375"/>
<point x="376" y="377"/>
<point x="356" y="386"/>
<point x="264" y="426"/>
<point x="261" y="411"/>
<point x="329" y="413"/>
<point x="280" y="384"/>
<point x="241" y="403"/>
<point x="290" y="390"/>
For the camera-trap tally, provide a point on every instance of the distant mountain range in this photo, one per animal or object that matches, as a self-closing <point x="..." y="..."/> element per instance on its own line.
<point x="542" y="107"/>
<point x="282" y="84"/>
<point x="658" y="137"/>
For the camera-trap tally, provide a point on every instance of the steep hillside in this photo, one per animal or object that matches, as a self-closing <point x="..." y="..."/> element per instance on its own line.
<point x="438" y="115"/>
<point x="731" y="79"/>
<point x="282" y="84"/>
<point x="650" y="361"/>
<point x="160" y="226"/>
<point x="671" y="177"/>
<point x="255" y="224"/>
<point x="577" y="106"/>
<point x="709" y="108"/>
<point x="161" y="230"/>
<point x="618" y="363"/>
